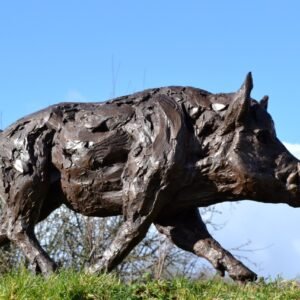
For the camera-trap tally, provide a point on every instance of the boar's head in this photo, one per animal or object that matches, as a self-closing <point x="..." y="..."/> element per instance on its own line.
<point x="244" y="158"/>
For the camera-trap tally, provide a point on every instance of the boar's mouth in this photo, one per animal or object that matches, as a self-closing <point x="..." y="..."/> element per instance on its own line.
<point x="293" y="181"/>
<point x="292" y="185"/>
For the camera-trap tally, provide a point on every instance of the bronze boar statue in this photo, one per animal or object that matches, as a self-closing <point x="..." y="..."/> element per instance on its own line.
<point x="153" y="157"/>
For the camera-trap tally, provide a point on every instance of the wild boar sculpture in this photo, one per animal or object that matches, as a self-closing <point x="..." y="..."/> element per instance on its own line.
<point x="153" y="157"/>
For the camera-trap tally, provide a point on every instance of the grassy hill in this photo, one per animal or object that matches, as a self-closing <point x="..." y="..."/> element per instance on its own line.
<point x="78" y="286"/>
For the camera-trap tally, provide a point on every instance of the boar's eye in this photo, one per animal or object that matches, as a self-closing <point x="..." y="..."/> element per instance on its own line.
<point x="263" y="136"/>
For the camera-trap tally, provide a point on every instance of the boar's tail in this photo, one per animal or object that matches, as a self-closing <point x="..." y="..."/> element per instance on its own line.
<point x="3" y="236"/>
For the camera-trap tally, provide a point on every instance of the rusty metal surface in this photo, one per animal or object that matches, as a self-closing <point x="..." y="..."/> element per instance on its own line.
<point x="154" y="157"/>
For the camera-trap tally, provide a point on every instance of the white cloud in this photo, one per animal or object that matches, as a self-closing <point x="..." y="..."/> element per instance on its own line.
<point x="293" y="148"/>
<point x="296" y="246"/>
<point x="74" y="96"/>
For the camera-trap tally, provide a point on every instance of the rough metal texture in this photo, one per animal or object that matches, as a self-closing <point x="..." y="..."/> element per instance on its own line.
<point x="154" y="157"/>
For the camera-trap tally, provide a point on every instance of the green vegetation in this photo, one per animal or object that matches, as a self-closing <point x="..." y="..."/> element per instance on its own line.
<point x="72" y="285"/>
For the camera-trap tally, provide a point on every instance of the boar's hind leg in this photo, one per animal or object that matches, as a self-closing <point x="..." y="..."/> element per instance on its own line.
<point x="128" y="236"/>
<point x="187" y="231"/>
<point x="138" y="216"/>
<point x="3" y="232"/>
<point x="21" y="214"/>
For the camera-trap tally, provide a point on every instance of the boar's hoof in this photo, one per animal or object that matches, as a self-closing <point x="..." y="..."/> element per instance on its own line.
<point x="46" y="270"/>
<point x="220" y="270"/>
<point x="96" y="269"/>
<point x="242" y="274"/>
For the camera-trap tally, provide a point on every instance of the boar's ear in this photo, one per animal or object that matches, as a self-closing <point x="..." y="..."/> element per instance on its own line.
<point x="242" y="99"/>
<point x="264" y="102"/>
<point x="239" y="108"/>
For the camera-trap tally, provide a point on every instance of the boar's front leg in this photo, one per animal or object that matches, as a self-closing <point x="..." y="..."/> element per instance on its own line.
<point x="187" y="231"/>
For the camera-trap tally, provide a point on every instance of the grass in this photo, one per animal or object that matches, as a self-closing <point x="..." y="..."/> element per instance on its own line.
<point x="78" y="286"/>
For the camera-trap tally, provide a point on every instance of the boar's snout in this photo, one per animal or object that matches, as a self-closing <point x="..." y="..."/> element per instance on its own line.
<point x="293" y="181"/>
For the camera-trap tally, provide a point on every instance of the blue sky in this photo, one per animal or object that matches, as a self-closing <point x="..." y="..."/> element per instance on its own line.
<point x="53" y="51"/>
